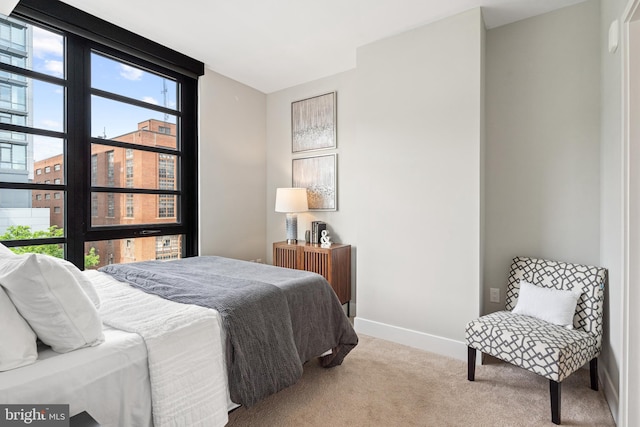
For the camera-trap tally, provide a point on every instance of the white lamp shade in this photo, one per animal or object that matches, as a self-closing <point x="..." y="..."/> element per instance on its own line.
<point x="291" y="200"/>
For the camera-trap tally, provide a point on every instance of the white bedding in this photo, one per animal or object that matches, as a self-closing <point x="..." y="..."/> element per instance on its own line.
<point x="184" y="351"/>
<point x="162" y="363"/>
<point x="110" y="381"/>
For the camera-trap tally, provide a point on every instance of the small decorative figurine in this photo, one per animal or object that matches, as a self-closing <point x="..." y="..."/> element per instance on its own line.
<point x="325" y="239"/>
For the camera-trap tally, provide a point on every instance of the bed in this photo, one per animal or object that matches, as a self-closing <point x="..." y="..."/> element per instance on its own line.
<point x="110" y="381"/>
<point x="167" y="362"/>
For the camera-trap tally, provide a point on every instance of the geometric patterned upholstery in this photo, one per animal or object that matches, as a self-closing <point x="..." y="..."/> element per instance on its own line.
<point x="538" y="346"/>
<point x="564" y="276"/>
<point x="549" y="350"/>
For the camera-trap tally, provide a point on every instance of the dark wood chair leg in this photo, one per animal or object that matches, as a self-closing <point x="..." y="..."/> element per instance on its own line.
<point x="471" y="364"/>
<point x="593" y="368"/>
<point x="554" y="390"/>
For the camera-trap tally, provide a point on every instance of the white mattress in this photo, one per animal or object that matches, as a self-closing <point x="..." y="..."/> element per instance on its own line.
<point x="110" y="381"/>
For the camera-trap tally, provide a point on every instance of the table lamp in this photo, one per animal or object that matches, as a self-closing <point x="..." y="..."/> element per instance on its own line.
<point x="291" y="201"/>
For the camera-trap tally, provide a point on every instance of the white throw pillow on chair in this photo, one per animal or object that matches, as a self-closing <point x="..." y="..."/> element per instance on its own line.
<point x="551" y="305"/>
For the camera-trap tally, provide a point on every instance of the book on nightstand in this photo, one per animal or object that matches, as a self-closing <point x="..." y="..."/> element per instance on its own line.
<point x="316" y="231"/>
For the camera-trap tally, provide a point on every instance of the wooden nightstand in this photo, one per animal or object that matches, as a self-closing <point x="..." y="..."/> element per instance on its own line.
<point x="334" y="263"/>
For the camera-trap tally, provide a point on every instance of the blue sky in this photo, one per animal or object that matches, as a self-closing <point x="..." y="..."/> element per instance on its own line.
<point x="109" y="118"/>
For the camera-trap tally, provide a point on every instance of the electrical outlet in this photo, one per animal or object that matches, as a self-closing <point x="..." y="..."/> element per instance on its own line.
<point x="494" y="294"/>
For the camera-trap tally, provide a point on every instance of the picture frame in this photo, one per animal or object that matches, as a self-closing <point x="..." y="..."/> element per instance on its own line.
<point x="318" y="174"/>
<point x="313" y="123"/>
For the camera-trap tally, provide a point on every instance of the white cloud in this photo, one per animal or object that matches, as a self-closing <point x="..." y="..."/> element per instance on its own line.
<point x="55" y="68"/>
<point x="46" y="43"/>
<point x="150" y="100"/>
<point x="130" y="73"/>
<point x="51" y="124"/>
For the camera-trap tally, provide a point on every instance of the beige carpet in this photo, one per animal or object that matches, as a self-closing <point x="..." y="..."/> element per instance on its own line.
<point x="385" y="384"/>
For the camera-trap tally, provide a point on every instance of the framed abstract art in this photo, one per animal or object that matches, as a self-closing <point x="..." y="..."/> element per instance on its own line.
<point x="313" y="123"/>
<point x="318" y="175"/>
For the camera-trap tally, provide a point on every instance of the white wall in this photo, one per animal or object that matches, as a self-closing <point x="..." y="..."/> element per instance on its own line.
<point x="232" y="164"/>
<point x="410" y="156"/>
<point x="342" y="223"/>
<point x="611" y="208"/>
<point x="279" y="157"/>
<point x="419" y="166"/>
<point x="402" y="123"/>
<point x="631" y="297"/>
<point x="543" y="144"/>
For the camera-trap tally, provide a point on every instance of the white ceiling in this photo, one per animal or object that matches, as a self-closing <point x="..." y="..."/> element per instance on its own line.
<point x="274" y="44"/>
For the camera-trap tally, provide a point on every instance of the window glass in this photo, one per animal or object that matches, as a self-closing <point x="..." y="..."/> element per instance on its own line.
<point x="13" y="96"/>
<point x="30" y="47"/>
<point x="25" y="157"/>
<point x="129" y="80"/>
<point x="167" y="247"/>
<point x="166" y="206"/>
<point x="127" y="208"/>
<point x="33" y="167"/>
<point x="13" y="34"/>
<point x="94" y="204"/>
<point x="44" y="109"/>
<point x="56" y="250"/>
<point x="128" y="123"/>
<point x="47" y="152"/>
<point x="129" y="168"/>
<point x="48" y="106"/>
<point x="25" y="212"/>
<point x="13" y="156"/>
<point x="135" y="249"/>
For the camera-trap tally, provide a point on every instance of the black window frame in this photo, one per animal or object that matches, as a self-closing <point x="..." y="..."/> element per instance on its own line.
<point x="85" y="33"/>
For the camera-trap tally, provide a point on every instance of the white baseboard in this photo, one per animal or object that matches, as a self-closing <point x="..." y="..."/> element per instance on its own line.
<point x="411" y="338"/>
<point x="610" y="392"/>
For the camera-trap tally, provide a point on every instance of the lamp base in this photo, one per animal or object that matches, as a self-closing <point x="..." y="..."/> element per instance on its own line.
<point x="292" y="241"/>
<point x="292" y="228"/>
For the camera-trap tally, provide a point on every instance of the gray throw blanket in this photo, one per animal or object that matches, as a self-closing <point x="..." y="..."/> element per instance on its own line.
<point x="275" y="319"/>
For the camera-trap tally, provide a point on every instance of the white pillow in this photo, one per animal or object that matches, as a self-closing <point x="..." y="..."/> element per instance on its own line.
<point x="5" y="251"/>
<point x="83" y="280"/>
<point x="51" y="300"/>
<point x="17" y="340"/>
<point x="85" y="283"/>
<point x="552" y="305"/>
